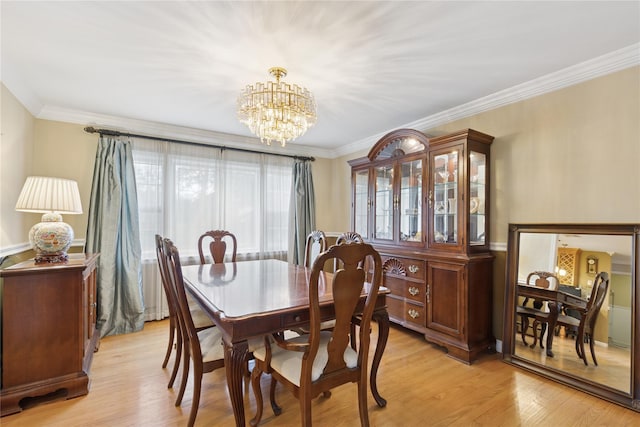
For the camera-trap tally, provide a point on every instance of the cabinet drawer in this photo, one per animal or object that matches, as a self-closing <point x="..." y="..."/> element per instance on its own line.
<point x="415" y="268"/>
<point x="408" y="267"/>
<point x="415" y="291"/>
<point x="406" y="288"/>
<point x="414" y="313"/>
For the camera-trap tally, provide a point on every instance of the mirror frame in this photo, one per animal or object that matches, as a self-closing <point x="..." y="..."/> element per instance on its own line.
<point x="629" y="400"/>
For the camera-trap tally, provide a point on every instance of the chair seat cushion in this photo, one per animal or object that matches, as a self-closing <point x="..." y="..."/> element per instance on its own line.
<point x="324" y="326"/>
<point x="200" y="318"/>
<point x="532" y="312"/>
<point x="568" y="320"/>
<point x="289" y="363"/>
<point x="211" y="344"/>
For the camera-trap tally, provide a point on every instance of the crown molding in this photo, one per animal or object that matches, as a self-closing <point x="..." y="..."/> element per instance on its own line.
<point x="611" y="62"/>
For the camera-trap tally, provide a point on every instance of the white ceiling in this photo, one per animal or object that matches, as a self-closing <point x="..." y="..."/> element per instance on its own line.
<point x="372" y="66"/>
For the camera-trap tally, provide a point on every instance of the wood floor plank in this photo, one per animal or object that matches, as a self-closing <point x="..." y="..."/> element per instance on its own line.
<point x="423" y="387"/>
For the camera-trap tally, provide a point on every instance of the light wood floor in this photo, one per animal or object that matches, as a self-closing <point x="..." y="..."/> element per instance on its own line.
<point x="423" y="386"/>
<point x="614" y="363"/>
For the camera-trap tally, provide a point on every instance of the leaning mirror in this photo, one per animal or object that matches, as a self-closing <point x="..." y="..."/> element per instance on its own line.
<point x="571" y="306"/>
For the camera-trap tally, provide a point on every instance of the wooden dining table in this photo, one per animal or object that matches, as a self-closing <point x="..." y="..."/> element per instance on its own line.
<point x="250" y="299"/>
<point x="556" y="300"/>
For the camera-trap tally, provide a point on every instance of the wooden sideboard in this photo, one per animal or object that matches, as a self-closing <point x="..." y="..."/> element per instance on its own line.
<point x="48" y="329"/>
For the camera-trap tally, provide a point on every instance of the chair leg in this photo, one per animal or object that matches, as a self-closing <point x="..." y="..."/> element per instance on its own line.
<point x="185" y="372"/>
<point x="535" y="333"/>
<point x="543" y="329"/>
<point x="197" y="387"/>
<point x="176" y="362"/>
<point x="593" y="353"/>
<point x="172" y="328"/>
<point x="256" y="374"/>
<point x="524" y="323"/>
<point x="305" y="409"/>
<point x="277" y="410"/>
<point x="362" y="401"/>
<point x="580" y="351"/>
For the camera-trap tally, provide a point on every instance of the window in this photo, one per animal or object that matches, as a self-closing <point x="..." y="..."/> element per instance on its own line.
<point x="185" y="190"/>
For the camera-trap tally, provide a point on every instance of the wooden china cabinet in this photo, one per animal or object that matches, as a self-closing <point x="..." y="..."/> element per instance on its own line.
<point x="424" y="204"/>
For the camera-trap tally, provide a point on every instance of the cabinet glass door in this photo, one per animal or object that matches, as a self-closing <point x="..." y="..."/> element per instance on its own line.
<point x="477" y="197"/>
<point x="445" y="198"/>
<point x="384" y="203"/>
<point x="411" y="201"/>
<point x="361" y="203"/>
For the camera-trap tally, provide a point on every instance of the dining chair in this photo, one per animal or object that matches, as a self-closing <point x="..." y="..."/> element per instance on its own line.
<point x="200" y="318"/>
<point x="589" y="315"/>
<point x="204" y="348"/>
<point x="216" y="241"/>
<point x="344" y="238"/>
<point x="536" y="311"/>
<point x="311" y="364"/>
<point x="316" y="244"/>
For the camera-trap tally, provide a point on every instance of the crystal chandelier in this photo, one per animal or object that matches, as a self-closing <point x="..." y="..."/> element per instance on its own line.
<point x="277" y="111"/>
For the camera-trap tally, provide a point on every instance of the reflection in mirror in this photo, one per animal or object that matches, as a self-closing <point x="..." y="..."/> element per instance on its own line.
<point x="569" y="307"/>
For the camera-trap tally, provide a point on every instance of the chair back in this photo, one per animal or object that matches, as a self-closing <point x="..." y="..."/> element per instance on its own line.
<point x="541" y="279"/>
<point x="347" y="285"/>
<point x="349" y="237"/>
<point x="346" y="239"/>
<point x="316" y="244"/>
<point x="217" y="244"/>
<point x="162" y="265"/>
<point x="176" y="285"/>
<point x="598" y="295"/>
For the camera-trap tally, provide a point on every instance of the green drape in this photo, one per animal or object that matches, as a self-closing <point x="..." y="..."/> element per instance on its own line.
<point x="113" y="231"/>
<point x="302" y="211"/>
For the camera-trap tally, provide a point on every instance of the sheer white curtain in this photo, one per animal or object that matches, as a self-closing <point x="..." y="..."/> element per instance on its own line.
<point x="185" y="190"/>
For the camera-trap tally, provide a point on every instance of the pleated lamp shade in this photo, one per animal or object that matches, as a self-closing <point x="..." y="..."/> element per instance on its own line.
<point x="50" y="238"/>
<point x="45" y="194"/>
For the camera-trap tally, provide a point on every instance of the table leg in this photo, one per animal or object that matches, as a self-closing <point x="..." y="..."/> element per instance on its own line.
<point x="553" y="318"/>
<point x="382" y="319"/>
<point x="235" y="356"/>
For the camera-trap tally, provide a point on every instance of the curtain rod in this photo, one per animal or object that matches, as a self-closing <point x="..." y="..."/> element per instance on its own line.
<point x="91" y="129"/>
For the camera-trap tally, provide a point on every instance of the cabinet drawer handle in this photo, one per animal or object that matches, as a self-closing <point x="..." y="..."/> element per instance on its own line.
<point x="414" y="268"/>
<point x="428" y="294"/>
<point x="413" y="290"/>
<point x="413" y="313"/>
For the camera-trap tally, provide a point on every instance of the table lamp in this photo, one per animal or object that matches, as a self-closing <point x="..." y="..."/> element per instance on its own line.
<point x="50" y="238"/>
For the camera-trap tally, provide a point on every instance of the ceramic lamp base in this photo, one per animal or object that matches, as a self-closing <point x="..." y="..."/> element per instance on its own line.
<point x="50" y="239"/>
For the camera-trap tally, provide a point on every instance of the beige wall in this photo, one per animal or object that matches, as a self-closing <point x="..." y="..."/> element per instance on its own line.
<point x="65" y="150"/>
<point x="40" y="147"/>
<point x="572" y="155"/>
<point x="17" y="129"/>
<point x="568" y="156"/>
